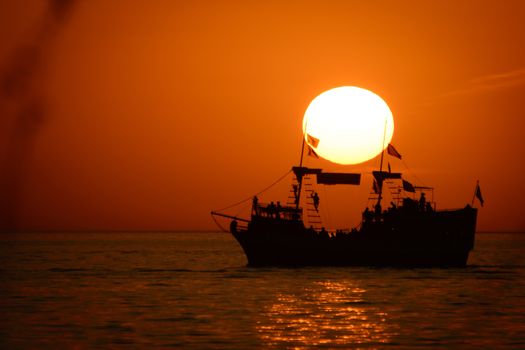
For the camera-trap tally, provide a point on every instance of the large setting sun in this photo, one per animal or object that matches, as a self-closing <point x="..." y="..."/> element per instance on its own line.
<point x="349" y="123"/>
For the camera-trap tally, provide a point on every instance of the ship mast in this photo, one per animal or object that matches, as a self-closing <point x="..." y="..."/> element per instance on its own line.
<point x="300" y="177"/>
<point x="380" y="180"/>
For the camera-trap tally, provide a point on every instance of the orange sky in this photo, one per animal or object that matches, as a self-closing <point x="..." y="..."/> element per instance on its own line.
<point x="151" y="114"/>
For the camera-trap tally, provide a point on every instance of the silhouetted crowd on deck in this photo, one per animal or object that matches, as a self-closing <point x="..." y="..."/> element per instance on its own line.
<point x="274" y="210"/>
<point x="409" y="207"/>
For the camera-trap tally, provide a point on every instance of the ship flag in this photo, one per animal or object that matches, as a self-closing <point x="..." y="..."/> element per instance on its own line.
<point x="313" y="141"/>
<point x="392" y="151"/>
<point x="478" y="194"/>
<point x="408" y="187"/>
<point x="312" y="153"/>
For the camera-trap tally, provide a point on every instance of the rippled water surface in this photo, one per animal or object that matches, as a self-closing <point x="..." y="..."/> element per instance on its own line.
<point x="192" y="290"/>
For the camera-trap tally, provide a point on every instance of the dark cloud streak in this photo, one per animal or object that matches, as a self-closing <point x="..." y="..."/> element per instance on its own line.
<point x="19" y="87"/>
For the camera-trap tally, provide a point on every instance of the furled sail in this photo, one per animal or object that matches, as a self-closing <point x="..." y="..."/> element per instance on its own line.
<point x="380" y="176"/>
<point x="328" y="178"/>
<point x="300" y="171"/>
<point x="338" y="179"/>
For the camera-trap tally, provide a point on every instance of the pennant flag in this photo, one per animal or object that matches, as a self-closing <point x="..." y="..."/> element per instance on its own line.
<point x="392" y="151"/>
<point x="408" y="187"/>
<point x="383" y="175"/>
<point x="375" y="187"/>
<point x="312" y="153"/>
<point x="314" y="142"/>
<point x="478" y="195"/>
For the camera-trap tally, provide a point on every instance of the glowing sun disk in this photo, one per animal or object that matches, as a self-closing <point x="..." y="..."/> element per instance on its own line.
<point x="350" y="124"/>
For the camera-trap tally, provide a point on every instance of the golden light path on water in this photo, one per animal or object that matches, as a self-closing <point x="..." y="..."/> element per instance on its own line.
<point x="334" y="313"/>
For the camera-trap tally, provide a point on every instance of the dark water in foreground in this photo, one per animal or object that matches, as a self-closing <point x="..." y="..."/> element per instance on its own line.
<point x="117" y="290"/>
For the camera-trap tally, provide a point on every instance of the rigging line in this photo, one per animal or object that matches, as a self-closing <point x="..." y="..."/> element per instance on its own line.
<point x="256" y="194"/>
<point x="243" y="207"/>
<point x="218" y="224"/>
<point x="411" y="173"/>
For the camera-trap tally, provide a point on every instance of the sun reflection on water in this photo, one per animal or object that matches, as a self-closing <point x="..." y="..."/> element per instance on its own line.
<point x="326" y="313"/>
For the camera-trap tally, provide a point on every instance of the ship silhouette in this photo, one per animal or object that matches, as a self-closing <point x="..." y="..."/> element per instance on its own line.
<point x="409" y="232"/>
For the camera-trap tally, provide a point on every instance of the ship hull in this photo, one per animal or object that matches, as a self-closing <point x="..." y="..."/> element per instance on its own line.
<point x="438" y="239"/>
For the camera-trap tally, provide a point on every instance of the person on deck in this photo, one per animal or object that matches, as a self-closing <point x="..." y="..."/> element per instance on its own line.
<point x="324" y="233"/>
<point x="315" y="198"/>
<point x="271" y="209"/>
<point x="367" y="215"/>
<point x="422" y="202"/>
<point x="233" y="226"/>
<point x="255" y="202"/>
<point x="377" y="209"/>
<point x="296" y="193"/>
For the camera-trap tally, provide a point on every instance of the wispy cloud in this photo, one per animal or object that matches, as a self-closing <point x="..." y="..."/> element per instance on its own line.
<point x="490" y="82"/>
<point x="501" y="80"/>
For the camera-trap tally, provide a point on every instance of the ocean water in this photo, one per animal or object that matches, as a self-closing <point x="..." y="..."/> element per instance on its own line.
<point x="193" y="291"/>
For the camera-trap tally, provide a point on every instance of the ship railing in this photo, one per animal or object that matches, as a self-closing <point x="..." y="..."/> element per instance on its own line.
<point x="453" y="209"/>
<point x="242" y="226"/>
<point x="277" y="211"/>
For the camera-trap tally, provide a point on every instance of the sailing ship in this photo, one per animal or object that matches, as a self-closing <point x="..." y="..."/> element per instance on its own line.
<point x="409" y="233"/>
